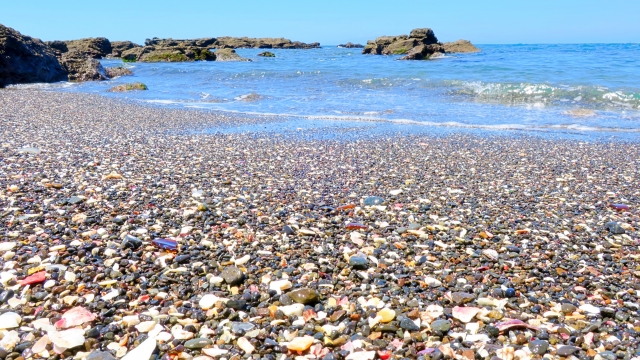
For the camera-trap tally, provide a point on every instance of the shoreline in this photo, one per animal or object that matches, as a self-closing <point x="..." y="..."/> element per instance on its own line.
<point x="489" y="245"/>
<point x="233" y="122"/>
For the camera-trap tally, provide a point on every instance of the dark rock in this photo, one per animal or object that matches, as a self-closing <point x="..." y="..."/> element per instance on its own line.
<point x="567" y="350"/>
<point x="351" y="45"/>
<point x="82" y="68"/>
<point x="26" y="60"/>
<point x="614" y="228"/>
<point x="288" y="230"/>
<point x="305" y="296"/>
<point x="131" y="242"/>
<point x="539" y="347"/>
<point x="197" y="343"/>
<point x="359" y="262"/>
<point x="232" y="275"/>
<point x="408" y="324"/>
<point x="6" y="295"/>
<point x="118" y="47"/>
<point x="236" y="304"/>
<point x="267" y="54"/>
<point x="94" y="48"/>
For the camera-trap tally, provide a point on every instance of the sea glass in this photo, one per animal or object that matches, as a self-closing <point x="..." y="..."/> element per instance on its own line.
<point x="619" y="207"/>
<point x="166" y="244"/>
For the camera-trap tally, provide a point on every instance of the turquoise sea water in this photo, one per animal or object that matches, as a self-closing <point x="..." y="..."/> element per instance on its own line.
<point x="585" y="88"/>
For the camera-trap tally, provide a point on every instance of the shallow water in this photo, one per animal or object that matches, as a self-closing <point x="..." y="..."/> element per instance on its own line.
<point x="584" y="89"/>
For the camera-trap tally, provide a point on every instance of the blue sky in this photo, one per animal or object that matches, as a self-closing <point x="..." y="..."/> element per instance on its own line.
<point x="329" y="21"/>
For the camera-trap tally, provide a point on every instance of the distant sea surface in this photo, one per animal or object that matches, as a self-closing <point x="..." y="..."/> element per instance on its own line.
<point x="582" y="88"/>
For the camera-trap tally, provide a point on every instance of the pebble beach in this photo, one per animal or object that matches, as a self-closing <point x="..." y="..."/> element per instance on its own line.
<point x="125" y="236"/>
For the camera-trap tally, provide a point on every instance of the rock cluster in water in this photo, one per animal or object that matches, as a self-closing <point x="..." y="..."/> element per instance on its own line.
<point x="420" y="44"/>
<point x="123" y="236"/>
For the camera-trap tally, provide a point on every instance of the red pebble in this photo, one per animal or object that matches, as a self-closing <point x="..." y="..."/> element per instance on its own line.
<point x="619" y="207"/>
<point x="356" y="226"/>
<point x="34" y="279"/>
<point x="482" y="268"/>
<point x="384" y="355"/>
<point x="346" y="207"/>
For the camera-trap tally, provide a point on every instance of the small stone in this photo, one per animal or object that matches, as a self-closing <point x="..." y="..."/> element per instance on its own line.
<point x="567" y="350"/>
<point x="373" y="200"/>
<point x="567" y="308"/>
<point x="462" y="297"/>
<point x="614" y="228"/>
<point x="539" y="347"/>
<point x="236" y="304"/>
<point x="441" y="326"/>
<point x="198" y="343"/>
<point x="510" y="292"/>
<point x="409" y="325"/>
<point x="305" y="296"/>
<point x="288" y="230"/>
<point x="300" y="343"/>
<point x="359" y="262"/>
<point x="386" y="315"/>
<point x="241" y="327"/>
<point x="131" y="242"/>
<point x="74" y="200"/>
<point x="232" y="275"/>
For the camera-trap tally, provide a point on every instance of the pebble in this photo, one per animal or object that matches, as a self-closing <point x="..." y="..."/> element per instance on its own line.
<point x="305" y="296"/>
<point x="232" y="275"/>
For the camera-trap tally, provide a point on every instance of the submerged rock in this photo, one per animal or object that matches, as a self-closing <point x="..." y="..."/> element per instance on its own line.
<point x="267" y="54"/>
<point x="129" y="87"/>
<point x="460" y="46"/>
<point x="228" y="55"/>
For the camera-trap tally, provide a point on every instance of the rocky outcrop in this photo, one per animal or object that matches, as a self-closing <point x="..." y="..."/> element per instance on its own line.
<point x="168" y="54"/>
<point x="117" y="71"/>
<point x="95" y="48"/>
<point x="261" y="43"/>
<point x="267" y="54"/>
<point x="228" y="55"/>
<point x="24" y="59"/>
<point x="81" y="68"/>
<point x="460" y="46"/>
<point x="420" y="44"/>
<point x="118" y="47"/>
<point x="351" y="45"/>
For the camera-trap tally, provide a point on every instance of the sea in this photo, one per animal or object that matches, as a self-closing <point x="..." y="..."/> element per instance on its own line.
<point x="579" y="90"/>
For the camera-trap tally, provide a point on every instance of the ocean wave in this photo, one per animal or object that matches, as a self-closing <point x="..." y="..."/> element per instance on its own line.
<point x="593" y="97"/>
